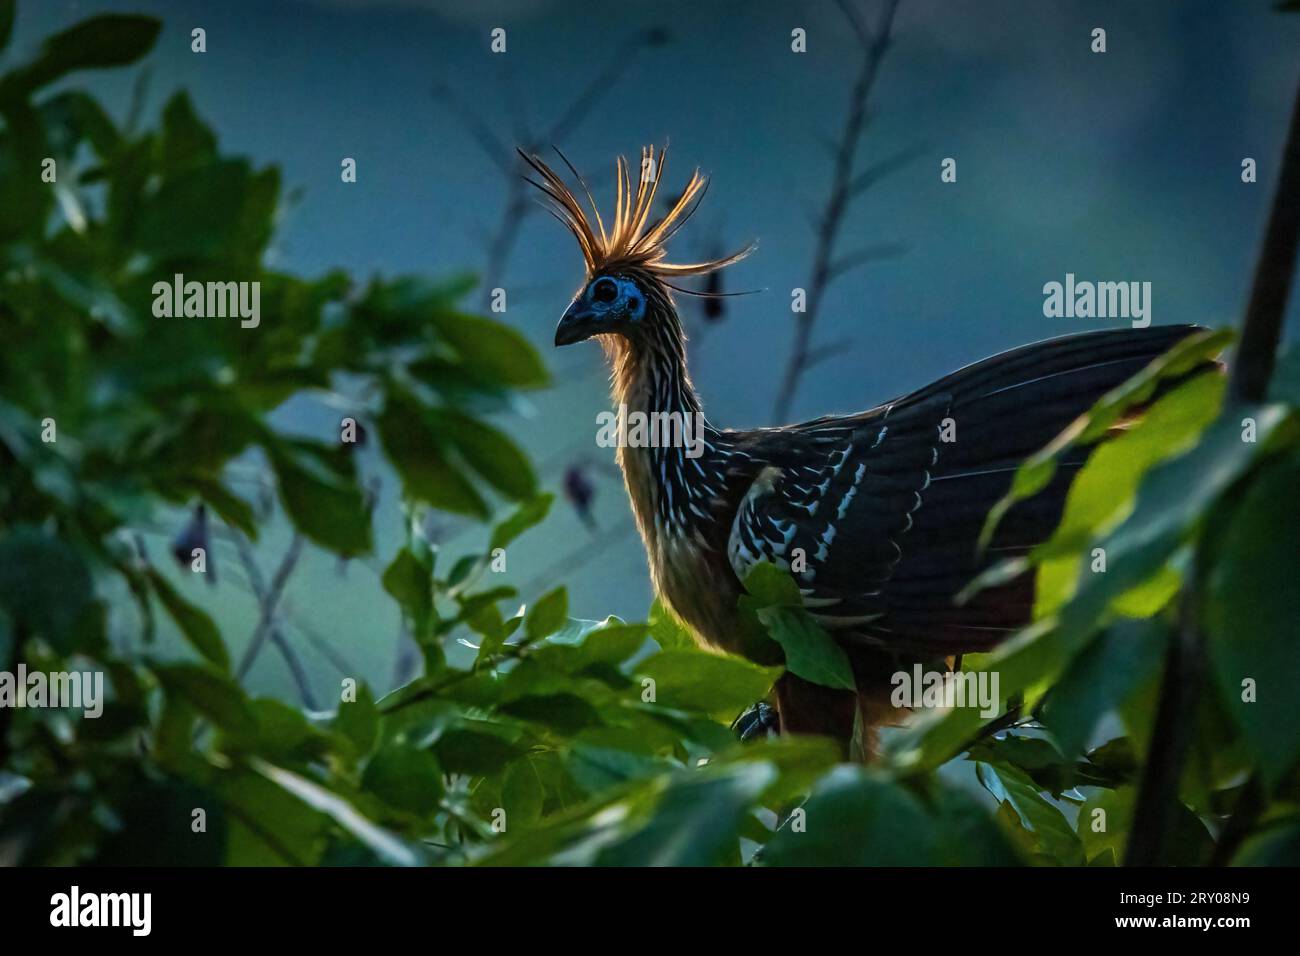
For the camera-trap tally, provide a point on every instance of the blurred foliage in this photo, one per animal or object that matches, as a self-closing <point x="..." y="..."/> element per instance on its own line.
<point x="563" y="741"/>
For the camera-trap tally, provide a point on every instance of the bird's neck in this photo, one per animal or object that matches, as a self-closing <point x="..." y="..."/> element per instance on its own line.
<point x="651" y="377"/>
<point x="664" y="478"/>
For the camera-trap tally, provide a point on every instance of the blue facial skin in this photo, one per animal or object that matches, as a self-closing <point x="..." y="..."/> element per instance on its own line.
<point x="607" y="304"/>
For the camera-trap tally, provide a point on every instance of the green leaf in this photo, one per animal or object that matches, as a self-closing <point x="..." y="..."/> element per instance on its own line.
<point x="1035" y="473"/>
<point x="1033" y="656"/>
<point x="697" y="821"/>
<point x="488" y="451"/>
<point x="155" y="827"/>
<point x="199" y="212"/>
<point x="384" y="844"/>
<point x="282" y="733"/>
<point x="493" y="351"/>
<point x="1101" y="677"/>
<point x="769" y="586"/>
<point x="475" y="747"/>
<point x="96" y="43"/>
<point x="1279" y="843"/>
<point x="268" y="826"/>
<point x="232" y="509"/>
<point x="358" y="720"/>
<point x="526" y="516"/>
<point x="522" y="793"/>
<point x="967" y="834"/>
<point x="667" y="631"/>
<point x="706" y="683"/>
<point x="488" y="623"/>
<point x="855" y="817"/>
<point x="410" y="582"/>
<point x="810" y="652"/>
<point x="71" y="117"/>
<point x="1103" y="492"/>
<point x="45" y="587"/>
<point x="321" y="496"/>
<point x="546" y="616"/>
<point x="1052" y="832"/>
<point x="1172" y="499"/>
<point x="1105" y="824"/>
<point x="565" y="713"/>
<point x="211" y="693"/>
<point x="7" y="9"/>
<point x="1250" y="617"/>
<point x="418" y="455"/>
<point x="186" y="139"/>
<point x="610" y="643"/>
<point x="199" y="629"/>
<point x="405" y="777"/>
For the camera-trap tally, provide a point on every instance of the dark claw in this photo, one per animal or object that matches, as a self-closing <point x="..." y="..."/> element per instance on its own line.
<point x="758" y="721"/>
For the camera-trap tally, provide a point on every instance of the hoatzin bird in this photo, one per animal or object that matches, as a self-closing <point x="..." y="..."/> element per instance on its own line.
<point x="887" y="510"/>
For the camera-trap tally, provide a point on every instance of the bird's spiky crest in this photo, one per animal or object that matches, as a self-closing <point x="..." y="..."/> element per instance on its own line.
<point x="629" y="241"/>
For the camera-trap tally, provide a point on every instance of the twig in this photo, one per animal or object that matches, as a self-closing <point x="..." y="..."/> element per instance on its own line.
<point x="323" y="647"/>
<point x="1170" y="739"/>
<point x="1252" y="366"/>
<point x="845" y="186"/>
<point x="294" y="663"/>
<point x="1250" y="804"/>
<point x="269" y="598"/>
<point x="517" y="205"/>
<point x="580" y="556"/>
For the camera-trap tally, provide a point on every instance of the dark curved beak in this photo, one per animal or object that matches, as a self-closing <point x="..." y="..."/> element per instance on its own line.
<point x="577" y="323"/>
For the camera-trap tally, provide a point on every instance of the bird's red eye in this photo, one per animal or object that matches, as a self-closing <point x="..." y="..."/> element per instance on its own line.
<point x="604" y="290"/>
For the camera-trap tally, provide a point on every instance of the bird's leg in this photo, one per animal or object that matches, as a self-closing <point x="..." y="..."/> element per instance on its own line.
<point x="756" y="722"/>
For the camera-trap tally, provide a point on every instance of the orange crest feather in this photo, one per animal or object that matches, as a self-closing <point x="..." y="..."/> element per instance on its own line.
<point x="629" y="241"/>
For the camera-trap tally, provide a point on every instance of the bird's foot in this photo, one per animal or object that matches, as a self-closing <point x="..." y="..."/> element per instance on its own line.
<point x="757" y="721"/>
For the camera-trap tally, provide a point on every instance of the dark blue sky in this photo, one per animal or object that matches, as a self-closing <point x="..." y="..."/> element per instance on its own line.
<point x="1120" y="166"/>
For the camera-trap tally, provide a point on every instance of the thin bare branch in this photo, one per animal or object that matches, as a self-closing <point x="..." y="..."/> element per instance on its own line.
<point x="269" y="598"/>
<point x="495" y="150"/>
<point x="855" y="21"/>
<point x="599" y="86"/>
<point x="829" y="350"/>
<point x="296" y="669"/>
<point x="833" y="217"/>
<point x="581" y="556"/>
<point x="324" y="648"/>
<point x="855" y="260"/>
<point x="882" y="168"/>
<point x="1252" y="366"/>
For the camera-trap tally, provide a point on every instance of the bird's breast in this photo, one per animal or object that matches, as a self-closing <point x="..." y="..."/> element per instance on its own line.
<point x="690" y="573"/>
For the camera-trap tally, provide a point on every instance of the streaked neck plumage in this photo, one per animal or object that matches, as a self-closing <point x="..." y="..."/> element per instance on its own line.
<point x="670" y="490"/>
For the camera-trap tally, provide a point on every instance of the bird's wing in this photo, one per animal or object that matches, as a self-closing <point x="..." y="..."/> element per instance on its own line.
<point x="838" y="517"/>
<point x="887" y="509"/>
